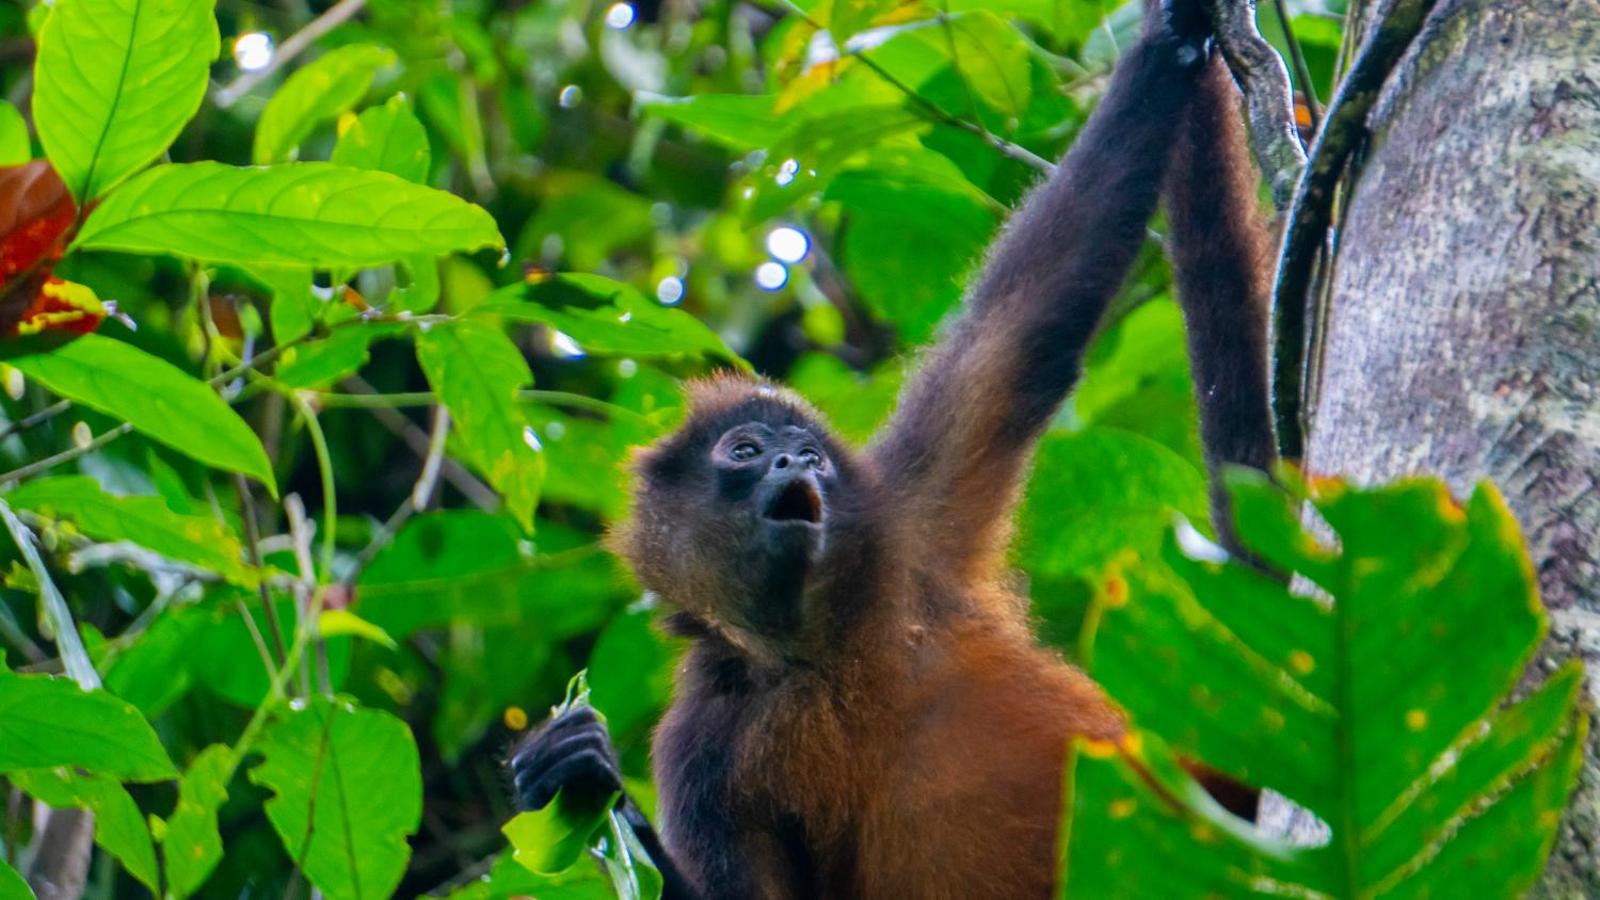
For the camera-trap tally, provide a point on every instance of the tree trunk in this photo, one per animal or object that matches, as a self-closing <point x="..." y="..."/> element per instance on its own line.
<point x="1463" y="328"/>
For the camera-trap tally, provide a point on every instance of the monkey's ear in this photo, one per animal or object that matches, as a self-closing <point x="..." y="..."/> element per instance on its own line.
<point x="666" y="463"/>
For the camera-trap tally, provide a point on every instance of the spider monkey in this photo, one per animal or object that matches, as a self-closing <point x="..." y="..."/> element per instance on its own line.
<point x="863" y="710"/>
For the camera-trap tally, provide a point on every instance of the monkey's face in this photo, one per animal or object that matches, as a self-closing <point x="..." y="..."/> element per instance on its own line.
<point x="734" y="516"/>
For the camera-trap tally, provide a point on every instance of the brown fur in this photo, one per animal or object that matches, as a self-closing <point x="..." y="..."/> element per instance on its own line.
<point x="871" y="716"/>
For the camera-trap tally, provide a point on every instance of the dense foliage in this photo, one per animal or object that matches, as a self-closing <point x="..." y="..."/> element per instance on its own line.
<point x="326" y="330"/>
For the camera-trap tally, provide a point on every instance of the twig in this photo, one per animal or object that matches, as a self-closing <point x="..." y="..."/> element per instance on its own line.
<point x="1302" y="72"/>
<point x="1269" y="102"/>
<point x="1311" y="211"/>
<point x="252" y="543"/>
<point x="300" y="534"/>
<point x="336" y="15"/>
<point x="929" y="108"/>
<point x="464" y="481"/>
<point x="50" y="462"/>
<point x="418" y="499"/>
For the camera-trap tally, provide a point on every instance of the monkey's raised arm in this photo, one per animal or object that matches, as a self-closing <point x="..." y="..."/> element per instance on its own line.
<point x="969" y="418"/>
<point x="1221" y="248"/>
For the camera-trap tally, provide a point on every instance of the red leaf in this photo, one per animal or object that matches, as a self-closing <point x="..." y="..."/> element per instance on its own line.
<point x="36" y="212"/>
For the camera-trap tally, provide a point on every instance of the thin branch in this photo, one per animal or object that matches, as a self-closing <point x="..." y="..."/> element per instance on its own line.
<point x="1297" y="58"/>
<point x="1310" y="214"/>
<point x="418" y="499"/>
<point x="252" y="543"/>
<point x="929" y="108"/>
<point x="50" y="462"/>
<point x="464" y="481"/>
<point x="1269" y="102"/>
<point x="336" y="15"/>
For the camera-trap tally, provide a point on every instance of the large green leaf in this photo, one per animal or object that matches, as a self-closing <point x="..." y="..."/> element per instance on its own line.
<point x="119" y="827"/>
<point x="297" y="214"/>
<point x="386" y="138"/>
<point x="605" y="316"/>
<point x="191" y="846"/>
<point x="47" y="721"/>
<point x="476" y="371"/>
<point x="347" y="792"/>
<point x="314" y="94"/>
<point x="1378" y="708"/>
<point x="151" y="394"/>
<point x="116" y="81"/>
<point x="201" y="541"/>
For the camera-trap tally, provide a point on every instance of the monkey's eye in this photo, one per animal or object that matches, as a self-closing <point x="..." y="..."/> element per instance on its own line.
<point x="744" y="450"/>
<point x="810" y="457"/>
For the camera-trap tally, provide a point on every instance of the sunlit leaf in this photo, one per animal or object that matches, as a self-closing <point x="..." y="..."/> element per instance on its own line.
<point x="156" y="397"/>
<point x="298" y="214"/>
<point x="48" y="721"/>
<point x="386" y="138"/>
<point x="201" y="541"/>
<point x="317" y="92"/>
<point x="347" y="792"/>
<point x="1349" y="709"/>
<point x="335" y="622"/>
<point x="116" y="81"/>
<point x="476" y="371"/>
<point x="326" y="360"/>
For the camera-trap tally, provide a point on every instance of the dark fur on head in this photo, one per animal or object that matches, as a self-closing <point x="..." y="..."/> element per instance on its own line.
<point x="697" y="537"/>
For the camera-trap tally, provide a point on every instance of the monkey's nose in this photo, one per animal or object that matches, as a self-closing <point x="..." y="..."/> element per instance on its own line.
<point x="782" y="462"/>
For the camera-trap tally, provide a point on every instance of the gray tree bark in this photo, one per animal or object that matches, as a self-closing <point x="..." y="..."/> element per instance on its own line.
<point x="1463" y="328"/>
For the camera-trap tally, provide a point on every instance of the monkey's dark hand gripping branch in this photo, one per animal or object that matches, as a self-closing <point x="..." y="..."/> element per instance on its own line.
<point x="967" y="422"/>
<point x="573" y="751"/>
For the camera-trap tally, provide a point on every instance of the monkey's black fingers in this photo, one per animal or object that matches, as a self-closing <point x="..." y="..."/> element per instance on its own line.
<point x="587" y="771"/>
<point x="540" y="755"/>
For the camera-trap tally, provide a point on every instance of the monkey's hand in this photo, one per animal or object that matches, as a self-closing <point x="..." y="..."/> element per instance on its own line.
<point x="1181" y="26"/>
<point x="572" y="750"/>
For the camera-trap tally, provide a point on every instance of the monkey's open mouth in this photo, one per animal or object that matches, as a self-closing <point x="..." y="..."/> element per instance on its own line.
<point x="797" y="502"/>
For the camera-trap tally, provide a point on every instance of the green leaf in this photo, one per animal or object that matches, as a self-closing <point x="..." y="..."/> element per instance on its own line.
<point x="1128" y="485"/>
<point x="335" y="622"/>
<point x="12" y="885"/>
<point x="151" y="394"/>
<point x="201" y="541"/>
<point x="386" y="138"/>
<point x="341" y="353"/>
<point x="741" y="122"/>
<point x="316" y="93"/>
<point x="117" y="80"/>
<point x="15" y="148"/>
<point x="47" y="721"/>
<point x="508" y="879"/>
<point x="550" y="840"/>
<point x="1379" y="707"/>
<point x="294" y="308"/>
<point x="347" y="792"/>
<point x="299" y="214"/>
<point x="119" y="827"/>
<point x="916" y="227"/>
<point x="192" y="846"/>
<point x="476" y="371"/>
<point x="605" y="316"/>
<point x="631" y="669"/>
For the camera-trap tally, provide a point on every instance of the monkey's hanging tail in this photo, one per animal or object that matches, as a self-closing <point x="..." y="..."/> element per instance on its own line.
<point x="1221" y="254"/>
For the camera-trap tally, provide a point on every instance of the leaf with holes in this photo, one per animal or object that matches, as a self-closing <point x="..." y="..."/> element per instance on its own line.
<point x="151" y="394"/>
<point x="1347" y="705"/>
<point x="191" y="846"/>
<point x="317" y="92"/>
<point x="300" y="214"/>
<point x="347" y="792"/>
<point x="116" y="81"/>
